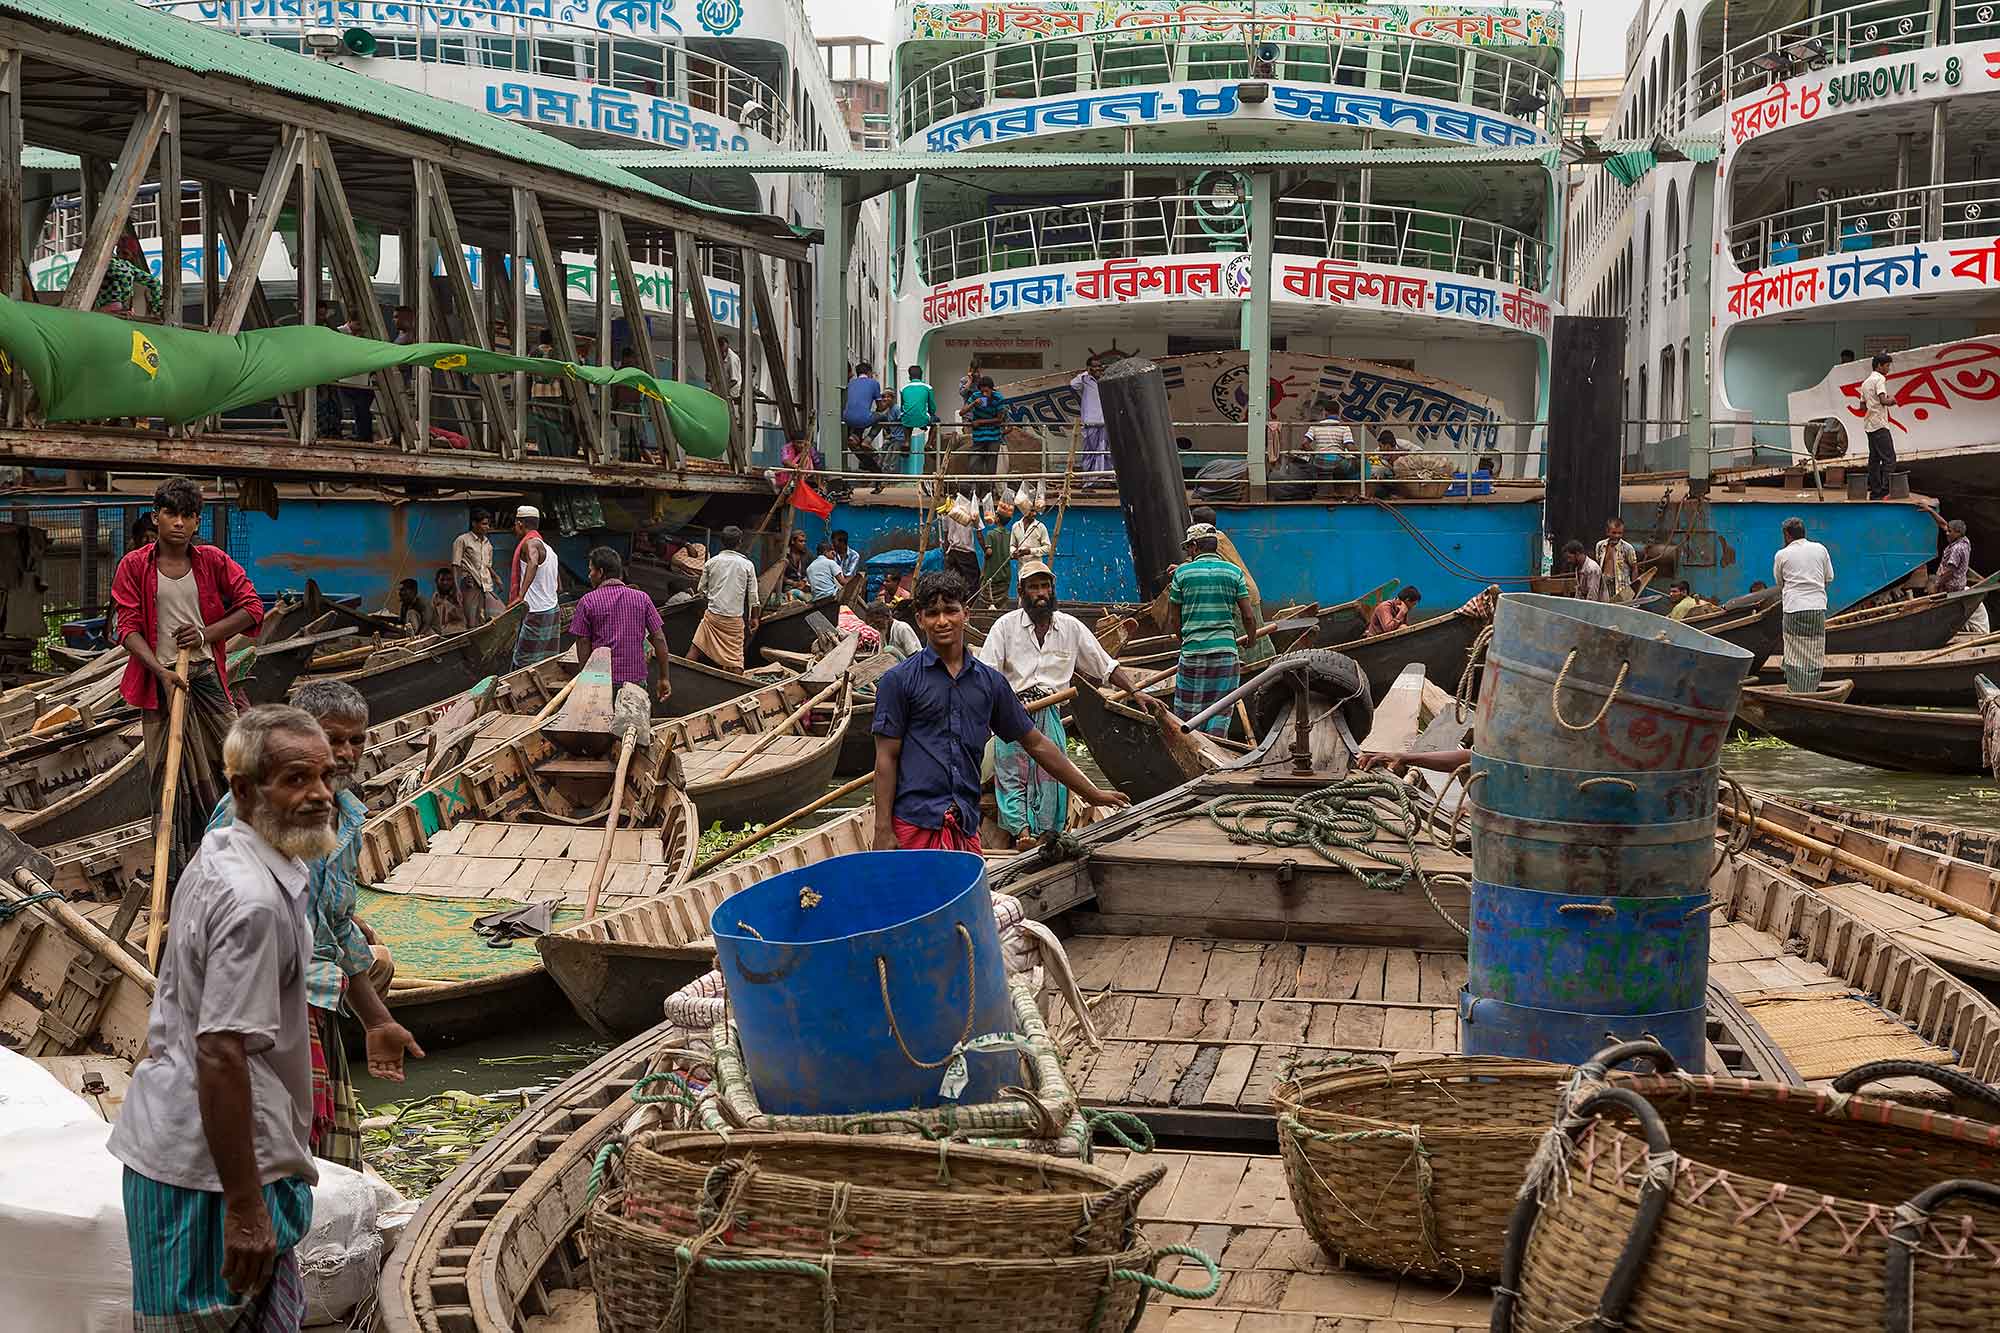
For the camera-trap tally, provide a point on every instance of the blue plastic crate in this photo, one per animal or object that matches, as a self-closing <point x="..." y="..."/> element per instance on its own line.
<point x="1482" y="484"/>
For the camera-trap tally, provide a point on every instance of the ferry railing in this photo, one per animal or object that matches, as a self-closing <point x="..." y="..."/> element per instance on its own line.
<point x="1320" y="52"/>
<point x="1189" y="224"/>
<point x="1854" y="32"/>
<point x="477" y="36"/>
<point x="1952" y="211"/>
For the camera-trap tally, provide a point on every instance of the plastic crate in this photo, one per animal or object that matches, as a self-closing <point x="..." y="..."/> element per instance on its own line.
<point x="1482" y="484"/>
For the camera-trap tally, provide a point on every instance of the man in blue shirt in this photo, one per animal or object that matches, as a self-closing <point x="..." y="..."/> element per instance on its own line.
<point x="823" y="574"/>
<point x="934" y="713"/>
<point x="987" y="411"/>
<point x="858" y="414"/>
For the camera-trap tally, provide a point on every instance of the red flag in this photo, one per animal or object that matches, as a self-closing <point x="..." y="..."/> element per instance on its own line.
<point x="806" y="498"/>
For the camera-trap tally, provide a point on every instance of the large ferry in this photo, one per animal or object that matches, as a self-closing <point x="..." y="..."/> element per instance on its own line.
<point x="1299" y="210"/>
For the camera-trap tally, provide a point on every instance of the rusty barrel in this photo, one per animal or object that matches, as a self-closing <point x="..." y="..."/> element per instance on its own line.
<point x="1588" y="796"/>
<point x="1610" y="860"/>
<point x="1601" y="687"/>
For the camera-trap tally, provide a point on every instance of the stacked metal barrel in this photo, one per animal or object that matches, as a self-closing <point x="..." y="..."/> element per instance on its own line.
<point x="1593" y="805"/>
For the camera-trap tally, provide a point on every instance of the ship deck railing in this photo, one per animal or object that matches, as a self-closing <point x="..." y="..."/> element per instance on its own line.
<point x="1859" y="31"/>
<point x="477" y="36"/>
<point x="1948" y="211"/>
<point x="1205" y="224"/>
<point x="1318" y="52"/>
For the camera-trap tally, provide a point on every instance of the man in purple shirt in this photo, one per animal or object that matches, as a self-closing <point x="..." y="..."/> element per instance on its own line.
<point x="617" y="616"/>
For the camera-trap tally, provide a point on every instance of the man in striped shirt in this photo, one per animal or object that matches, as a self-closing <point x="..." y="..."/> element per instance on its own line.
<point x="987" y="411"/>
<point x="1203" y="600"/>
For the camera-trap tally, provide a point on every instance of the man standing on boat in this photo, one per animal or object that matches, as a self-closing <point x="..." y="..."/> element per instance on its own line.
<point x="1094" y="454"/>
<point x="347" y="965"/>
<point x="958" y="537"/>
<point x="534" y="582"/>
<point x="1802" y="570"/>
<point x="1028" y="542"/>
<point x="1954" y="572"/>
<point x="171" y="595"/>
<point x="1204" y="599"/>
<point x="1589" y="577"/>
<point x="472" y="559"/>
<point x="215" y="1127"/>
<point x="615" y="615"/>
<point x="1876" y="400"/>
<point x="1617" y="563"/>
<point x="729" y="582"/>
<point x="916" y="409"/>
<point x="1040" y="649"/>
<point x="934" y="714"/>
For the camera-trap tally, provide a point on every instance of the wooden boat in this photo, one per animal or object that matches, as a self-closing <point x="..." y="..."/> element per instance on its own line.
<point x="1916" y="625"/>
<point x="523" y="823"/>
<point x="1870" y="873"/>
<point x="75" y="784"/>
<point x="396" y="679"/>
<point x="784" y="771"/>
<point x="1440" y="645"/>
<point x="658" y="579"/>
<point x="58" y="995"/>
<point x="1932" y="678"/>
<point x="1760" y="631"/>
<point x="1129" y="749"/>
<point x="789" y="628"/>
<point x="1978" y="845"/>
<point x="1909" y="740"/>
<point x="617" y="968"/>
<point x="680" y="617"/>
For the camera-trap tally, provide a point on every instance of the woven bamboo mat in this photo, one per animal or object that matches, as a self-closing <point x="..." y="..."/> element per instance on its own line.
<point x="1825" y="1033"/>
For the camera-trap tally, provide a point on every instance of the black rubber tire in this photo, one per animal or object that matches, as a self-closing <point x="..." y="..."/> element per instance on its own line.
<point x="1335" y="676"/>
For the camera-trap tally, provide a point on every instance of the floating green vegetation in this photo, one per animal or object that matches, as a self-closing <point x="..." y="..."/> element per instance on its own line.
<point x="716" y="838"/>
<point x="1743" y="740"/>
<point x="416" y="1144"/>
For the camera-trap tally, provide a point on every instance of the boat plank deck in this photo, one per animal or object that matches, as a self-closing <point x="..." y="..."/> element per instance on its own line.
<point x="1275" y="1279"/>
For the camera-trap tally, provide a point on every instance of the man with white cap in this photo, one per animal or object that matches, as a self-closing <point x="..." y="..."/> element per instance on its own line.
<point x="534" y="583"/>
<point x="1029" y="541"/>
<point x="1040" y="650"/>
<point x="1203" y="601"/>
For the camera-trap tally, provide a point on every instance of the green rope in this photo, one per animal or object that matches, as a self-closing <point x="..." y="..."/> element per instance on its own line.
<point x="1125" y="1129"/>
<point x="683" y="1094"/>
<point x="606" y="1155"/>
<point x="1201" y="1293"/>
<point x="13" y="907"/>
<point x="1342" y="817"/>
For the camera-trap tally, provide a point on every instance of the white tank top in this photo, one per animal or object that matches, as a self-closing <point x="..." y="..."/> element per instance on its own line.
<point x="541" y="593"/>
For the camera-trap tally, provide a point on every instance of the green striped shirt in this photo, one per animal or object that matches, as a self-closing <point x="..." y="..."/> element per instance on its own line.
<point x="1207" y="589"/>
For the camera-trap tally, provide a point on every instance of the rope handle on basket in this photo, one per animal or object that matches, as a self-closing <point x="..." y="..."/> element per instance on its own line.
<point x="1899" y="1285"/>
<point x="1598" y="1065"/>
<point x="683" y="1093"/>
<point x="1742" y="818"/>
<point x="1145" y="1279"/>
<point x="1655" y="1188"/>
<point x="1631" y="787"/>
<point x="1555" y="694"/>
<point x="1123" y="1128"/>
<point x="971" y="1000"/>
<point x="1601" y="909"/>
<point x="1951" y="1080"/>
<point x="602" y="1166"/>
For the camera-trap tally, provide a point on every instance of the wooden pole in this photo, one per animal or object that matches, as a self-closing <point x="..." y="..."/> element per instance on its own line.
<point x="25" y="885"/>
<point x="763" y="742"/>
<point x="163" y="836"/>
<point x="1062" y="502"/>
<point x="625" y="749"/>
<point x="1983" y="641"/>
<point x="755" y="836"/>
<point x="1854" y="861"/>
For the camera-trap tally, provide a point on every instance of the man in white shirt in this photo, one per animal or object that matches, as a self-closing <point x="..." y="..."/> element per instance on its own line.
<point x="1802" y="569"/>
<point x="213" y="1133"/>
<point x="534" y="583"/>
<point x="1029" y="540"/>
<point x="729" y="581"/>
<point x="1040" y="649"/>
<point x="472" y="561"/>
<point x="1331" y="441"/>
<point x="1876" y="400"/>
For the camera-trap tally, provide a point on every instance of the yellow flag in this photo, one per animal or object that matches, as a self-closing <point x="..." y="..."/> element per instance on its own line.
<point x="145" y="355"/>
<point x="452" y="362"/>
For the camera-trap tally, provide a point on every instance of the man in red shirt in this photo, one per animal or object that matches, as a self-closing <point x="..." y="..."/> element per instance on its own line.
<point x="1393" y="614"/>
<point x="171" y="595"/>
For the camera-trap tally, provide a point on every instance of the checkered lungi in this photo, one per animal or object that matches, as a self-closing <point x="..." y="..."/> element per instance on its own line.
<point x="336" y="1111"/>
<point x="1805" y="650"/>
<point x="541" y="633"/>
<point x="1202" y="679"/>
<point x="175" y="1236"/>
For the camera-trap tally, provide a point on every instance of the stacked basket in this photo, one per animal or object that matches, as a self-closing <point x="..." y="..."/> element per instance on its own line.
<point x="1593" y="802"/>
<point x="779" y="1233"/>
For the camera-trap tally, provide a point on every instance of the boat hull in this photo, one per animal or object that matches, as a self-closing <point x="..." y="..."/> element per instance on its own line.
<point x="1924" y="628"/>
<point x="618" y="987"/>
<point x="459" y="1011"/>
<point x="453" y="666"/>
<point x="1126" y="745"/>
<point x="1905" y="740"/>
<point x="762" y="797"/>
<point x="1441" y="644"/>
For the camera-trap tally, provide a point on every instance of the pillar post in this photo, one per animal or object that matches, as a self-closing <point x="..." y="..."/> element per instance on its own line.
<point x="833" y="356"/>
<point x="1257" y="320"/>
<point x="1701" y="327"/>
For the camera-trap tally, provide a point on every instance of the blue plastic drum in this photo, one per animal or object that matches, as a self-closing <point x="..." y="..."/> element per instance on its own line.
<point x="852" y="981"/>
<point x="1570" y="1037"/>
<point x="1566" y="951"/>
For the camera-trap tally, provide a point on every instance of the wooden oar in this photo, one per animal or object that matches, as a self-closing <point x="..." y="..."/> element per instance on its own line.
<point x="755" y="836"/>
<point x="626" y="746"/>
<point x="25" y="885"/>
<point x="163" y="836"/>
<point x="763" y="742"/>
<point x="554" y="705"/>
<point x="1916" y="888"/>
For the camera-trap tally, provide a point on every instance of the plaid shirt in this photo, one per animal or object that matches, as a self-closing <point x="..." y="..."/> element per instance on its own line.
<point x="340" y="950"/>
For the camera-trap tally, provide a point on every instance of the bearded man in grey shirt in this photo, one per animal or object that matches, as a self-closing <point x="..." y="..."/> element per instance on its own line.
<point x="213" y="1134"/>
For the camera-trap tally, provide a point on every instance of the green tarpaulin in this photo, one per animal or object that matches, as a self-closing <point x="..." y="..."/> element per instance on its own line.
<point x="88" y="367"/>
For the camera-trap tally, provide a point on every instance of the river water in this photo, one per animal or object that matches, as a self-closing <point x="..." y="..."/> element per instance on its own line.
<point x="1784" y="770"/>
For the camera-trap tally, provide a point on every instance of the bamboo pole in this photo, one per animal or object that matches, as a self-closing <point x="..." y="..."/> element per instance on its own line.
<point x="163" y="835"/>
<point x="626" y="746"/>
<point x="25" y="885"/>
<point x="1983" y="641"/>
<point x="1062" y="503"/>
<point x="756" y="836"/>
<point x="1916" y="888"/>
<point x="763" y="742"/>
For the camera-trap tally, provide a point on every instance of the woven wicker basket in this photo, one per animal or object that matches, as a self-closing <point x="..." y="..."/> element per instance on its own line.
<point x="1718" y="1202"/>
<point x="818" y="1194"/>
<point x="637" y="1272"/>
<point x="1413" y="1169"/>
